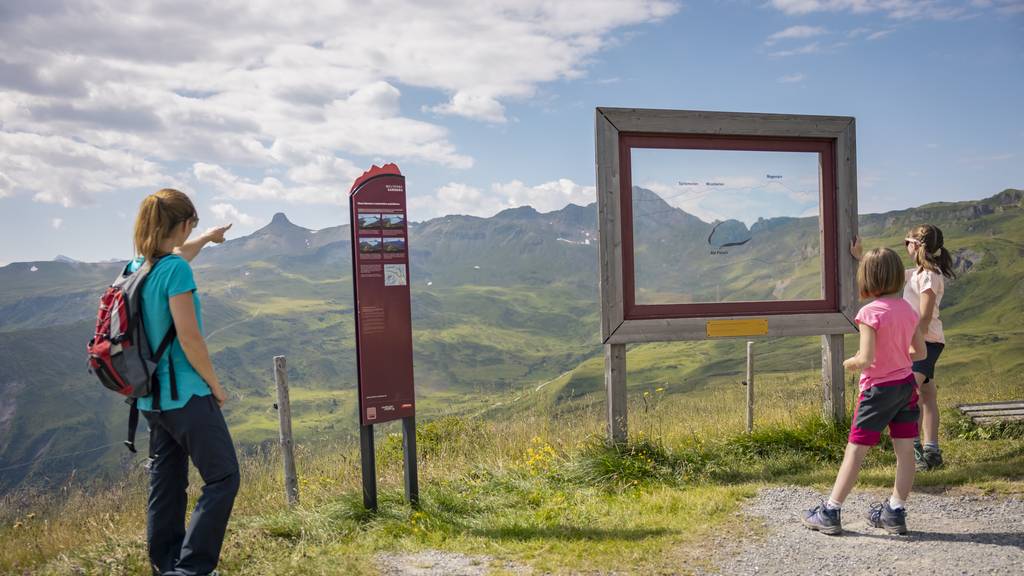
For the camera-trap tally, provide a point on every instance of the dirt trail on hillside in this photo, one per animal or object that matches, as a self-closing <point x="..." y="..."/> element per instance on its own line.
<point x="949" y="534"/>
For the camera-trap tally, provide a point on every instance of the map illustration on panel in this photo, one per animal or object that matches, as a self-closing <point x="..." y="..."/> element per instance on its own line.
<point x="394" y="275"/>
<point x="725" y="226"/>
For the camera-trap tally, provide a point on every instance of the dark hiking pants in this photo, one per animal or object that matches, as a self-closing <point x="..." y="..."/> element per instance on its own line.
<point x="196" y="430"/>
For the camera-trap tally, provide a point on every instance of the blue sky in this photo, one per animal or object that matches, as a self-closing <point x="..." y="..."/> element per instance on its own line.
<point x="484" y="105"/>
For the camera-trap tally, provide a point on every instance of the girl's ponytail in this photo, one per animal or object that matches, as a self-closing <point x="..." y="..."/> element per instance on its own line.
<point x="158" y="214"/>
<point x="944" y="261"/>
<point x="931" y="254"/>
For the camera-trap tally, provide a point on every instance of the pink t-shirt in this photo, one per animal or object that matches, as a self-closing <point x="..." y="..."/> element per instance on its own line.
<point x="894" y="321"/>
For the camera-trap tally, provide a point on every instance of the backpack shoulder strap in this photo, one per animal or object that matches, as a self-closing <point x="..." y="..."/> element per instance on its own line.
<point x="172" y="332"/>
<point x="133" y="423"/>
<point x="165" y="344"/>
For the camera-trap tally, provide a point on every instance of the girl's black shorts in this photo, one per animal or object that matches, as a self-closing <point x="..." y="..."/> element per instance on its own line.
<point x="927" y="366"/>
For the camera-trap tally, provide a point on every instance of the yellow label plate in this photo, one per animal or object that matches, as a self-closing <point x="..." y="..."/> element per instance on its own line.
<point x="727" y="328"/>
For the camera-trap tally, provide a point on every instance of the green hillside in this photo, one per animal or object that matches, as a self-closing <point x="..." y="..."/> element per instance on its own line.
<point x="505" y="322"/>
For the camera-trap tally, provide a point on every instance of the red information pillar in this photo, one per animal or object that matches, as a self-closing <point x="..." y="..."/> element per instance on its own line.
<point x="380" y="257"/>
<point x="380" y="278"/>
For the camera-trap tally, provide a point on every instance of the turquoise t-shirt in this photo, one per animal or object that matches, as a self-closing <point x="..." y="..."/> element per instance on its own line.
<point x="171" y="276"/>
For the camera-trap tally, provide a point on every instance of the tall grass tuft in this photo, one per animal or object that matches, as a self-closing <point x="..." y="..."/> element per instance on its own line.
<point x="813" y="438"/>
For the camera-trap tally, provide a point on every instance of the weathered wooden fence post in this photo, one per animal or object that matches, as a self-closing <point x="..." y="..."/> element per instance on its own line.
<point x="750" y="387"/>
<point x="284" y="412"/>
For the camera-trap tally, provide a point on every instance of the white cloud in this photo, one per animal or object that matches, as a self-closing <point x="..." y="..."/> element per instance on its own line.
<point x="545" y="197"/>
<point x="471" y="105"/>
<point x="452" y="198"/>
<point x="792" y="78"/>
<point x="984" y="160"/>
<point x="61" y="170"/>
<point x="287" y="94"/>
<point x="226" y="184"/>
<point x="811" y="48"/>
<point x="880" y="34"/>
<point x="1001" y="6"/>
<point x="6" y="186"/>
<point x="458" y="198"/>
<point x="225" y="213"/>
<point x="795" y="32"/>
<point x="897" y="9"/>
<point x="57" y="223"/>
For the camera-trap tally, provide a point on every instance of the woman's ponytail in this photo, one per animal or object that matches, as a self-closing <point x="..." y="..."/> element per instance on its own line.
<point x="158" y="214"/>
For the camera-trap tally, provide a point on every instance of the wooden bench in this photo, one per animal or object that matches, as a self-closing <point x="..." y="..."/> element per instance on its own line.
<point x="989" y="412"/>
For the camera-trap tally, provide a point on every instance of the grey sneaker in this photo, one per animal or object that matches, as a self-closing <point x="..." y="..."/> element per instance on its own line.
<point x="928" y="459"/>
<point x="892" y="521"/>
<point x="823" y="519"/>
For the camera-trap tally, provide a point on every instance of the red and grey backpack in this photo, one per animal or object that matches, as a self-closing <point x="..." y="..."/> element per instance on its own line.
<point x="119" y="353"/>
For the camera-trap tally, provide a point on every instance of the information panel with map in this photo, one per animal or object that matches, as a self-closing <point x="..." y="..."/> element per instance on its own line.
<point x="380" y="259"/>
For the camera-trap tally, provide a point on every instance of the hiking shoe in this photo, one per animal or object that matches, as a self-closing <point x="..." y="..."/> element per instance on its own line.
<point x="823" y="519"/>
<point x="892" y="521"/>
<point x="927" y="459"/>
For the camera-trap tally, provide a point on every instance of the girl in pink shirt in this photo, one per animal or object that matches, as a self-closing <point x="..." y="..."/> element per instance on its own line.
<point x="889" y="343"/>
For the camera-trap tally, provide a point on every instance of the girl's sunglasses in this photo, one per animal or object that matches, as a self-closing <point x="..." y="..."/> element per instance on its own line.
<point x="909" y="241"/>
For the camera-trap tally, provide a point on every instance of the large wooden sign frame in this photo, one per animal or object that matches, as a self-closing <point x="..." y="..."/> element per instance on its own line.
<point x="623" y="321"/>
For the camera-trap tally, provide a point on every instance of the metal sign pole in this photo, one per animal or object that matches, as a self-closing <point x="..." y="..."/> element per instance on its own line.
<point x="412" y="483"/>
<point x="369" y="463"/>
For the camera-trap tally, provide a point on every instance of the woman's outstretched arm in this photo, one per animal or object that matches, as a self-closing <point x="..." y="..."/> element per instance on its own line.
<point x="190" y="249"/>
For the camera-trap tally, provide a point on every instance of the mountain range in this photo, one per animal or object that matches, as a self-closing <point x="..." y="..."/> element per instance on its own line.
<point x="500" y="305"/>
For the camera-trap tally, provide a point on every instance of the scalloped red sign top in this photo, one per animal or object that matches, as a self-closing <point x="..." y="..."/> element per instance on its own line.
<point x="389" y="168"/>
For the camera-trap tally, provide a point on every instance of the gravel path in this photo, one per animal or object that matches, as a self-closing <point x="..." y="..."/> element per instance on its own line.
<point x="949" y="534"/>
<point x="439" y="563"/>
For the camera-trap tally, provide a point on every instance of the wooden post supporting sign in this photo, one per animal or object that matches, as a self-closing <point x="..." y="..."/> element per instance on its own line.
<point x="750" y="387"/>
<point x="833" y="388"/>
<point x="615" y="384"/>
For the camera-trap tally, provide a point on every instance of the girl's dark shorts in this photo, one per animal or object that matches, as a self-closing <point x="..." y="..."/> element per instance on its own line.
<point x="927" y="366"/>
<point x="892" y="404"/>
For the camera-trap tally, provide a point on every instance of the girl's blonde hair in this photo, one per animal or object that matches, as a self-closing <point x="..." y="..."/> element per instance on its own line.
<point x="880" y="272"/>
<point x="159" y="213"/>
<point x="931" y="254"/>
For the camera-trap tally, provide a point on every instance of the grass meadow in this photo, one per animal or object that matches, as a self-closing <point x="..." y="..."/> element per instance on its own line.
<point x="534" y="486"/>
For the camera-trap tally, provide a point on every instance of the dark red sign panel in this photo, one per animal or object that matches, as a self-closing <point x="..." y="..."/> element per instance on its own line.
<point x="380" y="273"/>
